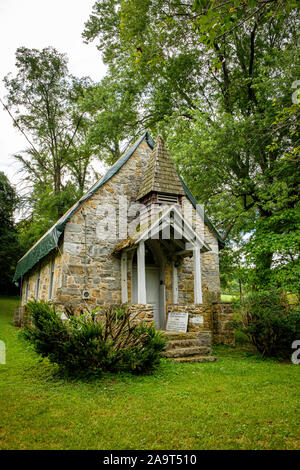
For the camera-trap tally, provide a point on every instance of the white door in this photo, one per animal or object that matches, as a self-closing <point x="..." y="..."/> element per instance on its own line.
<point x="152" y="289"/>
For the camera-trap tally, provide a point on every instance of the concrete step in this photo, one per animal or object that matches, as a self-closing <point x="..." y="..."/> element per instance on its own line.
<point x="184" y="352"/>
<point x="172" y="335"/>
<point x="182" y="343"/>
<point x="192" y="359"/>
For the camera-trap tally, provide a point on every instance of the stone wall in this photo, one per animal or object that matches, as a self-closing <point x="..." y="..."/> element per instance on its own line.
<point x="210" y="273"/>
<point x="194" y="311"/>
<point x="138" y="313"/>
<point x="216" y="318"/>
<point x="21" y="316"/>
<point x="142" y="313"/>
<point x="222" y="315"/>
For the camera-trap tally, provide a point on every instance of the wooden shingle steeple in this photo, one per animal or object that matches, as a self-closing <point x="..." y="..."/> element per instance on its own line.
<point x="161" y="175"/>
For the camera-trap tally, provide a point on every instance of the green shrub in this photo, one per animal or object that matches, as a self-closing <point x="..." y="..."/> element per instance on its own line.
<point x="270" y="323"/>
<point x="83" y="347"/>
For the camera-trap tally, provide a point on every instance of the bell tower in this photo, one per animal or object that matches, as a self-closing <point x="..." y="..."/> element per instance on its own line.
<point x="161" y="184"/>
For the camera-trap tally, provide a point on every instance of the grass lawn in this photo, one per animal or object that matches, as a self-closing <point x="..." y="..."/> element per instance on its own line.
<point x="238" y="402"/>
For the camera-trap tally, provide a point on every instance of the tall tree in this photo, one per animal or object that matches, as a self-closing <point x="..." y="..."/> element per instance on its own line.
<point x="216" y="77"/>
<point x="42" y="100"/>
<point x="112" y="108"/>
<point x="9" y="246"/>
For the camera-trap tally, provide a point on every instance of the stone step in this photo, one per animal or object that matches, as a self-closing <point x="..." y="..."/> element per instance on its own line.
<point x="182" y="343"/>
<point x="192" y="359"/>
<point x="184" y="352"/>
<point x="172" y="335"/>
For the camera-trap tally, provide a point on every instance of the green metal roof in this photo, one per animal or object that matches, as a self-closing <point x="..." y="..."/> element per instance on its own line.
<point x="50" y="240"/>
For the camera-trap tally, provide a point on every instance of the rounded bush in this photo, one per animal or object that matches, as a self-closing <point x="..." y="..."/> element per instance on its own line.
<point x="270" y="322"/>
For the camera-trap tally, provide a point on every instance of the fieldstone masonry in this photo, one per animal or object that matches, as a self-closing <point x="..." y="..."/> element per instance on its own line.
<point x="138" y="313"/>
<point x="216" y="318"/>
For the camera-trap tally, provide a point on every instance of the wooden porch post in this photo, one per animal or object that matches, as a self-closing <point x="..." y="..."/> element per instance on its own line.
<point x="175" y="283"/>
<point x="124" y="288"/>
<point x="141" y="273"/>
<point x="197" y="276"/>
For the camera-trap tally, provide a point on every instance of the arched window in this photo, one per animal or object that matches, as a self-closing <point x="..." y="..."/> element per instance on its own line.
<point x="38" y="280"/>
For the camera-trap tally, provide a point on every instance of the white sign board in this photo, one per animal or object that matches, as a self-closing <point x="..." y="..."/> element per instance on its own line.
<point x="197" y="320"/>
<point x="177" y="321"/>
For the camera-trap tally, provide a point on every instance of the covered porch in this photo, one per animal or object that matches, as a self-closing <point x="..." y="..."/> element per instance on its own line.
<point x="150" y="265"/>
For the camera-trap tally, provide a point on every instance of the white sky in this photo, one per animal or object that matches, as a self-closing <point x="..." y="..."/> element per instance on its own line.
<point x="38" y="24"/>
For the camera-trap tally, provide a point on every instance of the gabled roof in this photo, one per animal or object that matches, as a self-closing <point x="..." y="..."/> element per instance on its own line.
<point x="160" y="175"/>
<point x="182" y="229"/>
<point x="50" y="239"/>
<point x="169" y="216"/>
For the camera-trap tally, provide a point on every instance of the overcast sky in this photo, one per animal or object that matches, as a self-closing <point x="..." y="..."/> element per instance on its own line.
<point x="38" y="24"/>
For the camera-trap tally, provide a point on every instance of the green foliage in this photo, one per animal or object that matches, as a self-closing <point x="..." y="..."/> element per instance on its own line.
<point x="9" y="243"/>
<point x="43" y="96"/>
<point x="113" y="117"/>
<point x="276" y="237"/>
<point x="270" y="323"/>
<point x="233" y="274"/>
<point x="46" y="208"/>
<point x="83" y="347"/>
<point x="217" y="19"/>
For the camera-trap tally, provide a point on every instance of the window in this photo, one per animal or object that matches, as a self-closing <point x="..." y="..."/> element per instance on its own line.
<point x="51" y="278"/>
<point x="26" y="291"/>
<point x="167" y="199"/>
<point x="38" y="279"/>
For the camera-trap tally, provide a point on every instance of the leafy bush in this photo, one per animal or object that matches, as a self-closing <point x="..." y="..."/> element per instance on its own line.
<point x="270" y="323"/>
<point x="81" y="346"/>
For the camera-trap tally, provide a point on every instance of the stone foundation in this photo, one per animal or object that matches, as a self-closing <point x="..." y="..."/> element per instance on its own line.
<point x="216" y="318"/>
<point x="194" y="311"/>
<point x="138" y="313"/>
<point x="20" y="316"/>
<point x="142" y="313"/>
